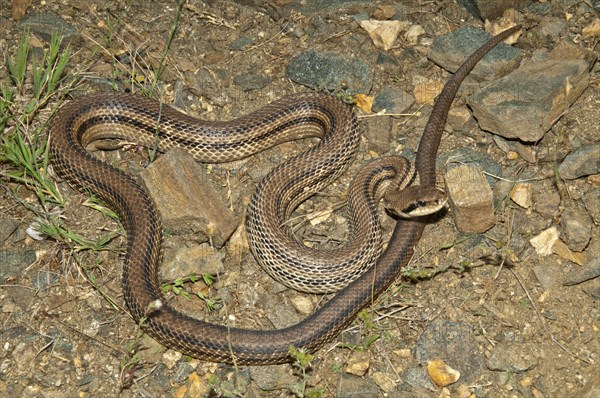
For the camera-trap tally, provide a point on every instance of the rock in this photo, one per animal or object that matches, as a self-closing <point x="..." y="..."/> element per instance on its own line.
<point x="586" y="273"/>
<point x="544" y="241"/>
<point x="385" y="381"/>
<point x="441" y="374"/>
<point x="455" y="343"/>
<point x="183" y="261"/>
<point x="356" y="387"/>
<point x="45" y="24"/>
<point x="358" y="363"/>
<point x="561" y="249"/>
<point x="550" y="28"/>
<point x="330" y="71"/>
<point x="251" y="81"/>
<point x="489" y="9"/>
<point x="241" y="42"/>
<point x="470" y="198"/>
<point x="513" y="357"/>
<point x="303" y="304"/>
<point x="384" y="33"/>
<point x="526" y="103"/>
<point x="379" y="133"/>
<point x="7" y="227"/>
<point x="591" y="201"/>
<point x="522" y="194"/>
<point x="393" y="100"/>
<point x="14" y="261"/>
<point x="576" y="228"/>
<point x="187" y="199"/>
<point x="274" y="377"/>
<point x="459" y="118"/>
<point x="546" y="200"/>
<point x="549" y="276"/>
<point x="581" y="162"/>
<point x="451" y="50"/>
<point x="467" y="155"/>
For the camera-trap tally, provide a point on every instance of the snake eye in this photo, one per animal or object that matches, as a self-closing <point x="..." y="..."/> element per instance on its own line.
<point x="421" y="203"/>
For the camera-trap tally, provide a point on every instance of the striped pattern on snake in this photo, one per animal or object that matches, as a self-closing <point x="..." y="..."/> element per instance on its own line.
<point x="119" y="115"/>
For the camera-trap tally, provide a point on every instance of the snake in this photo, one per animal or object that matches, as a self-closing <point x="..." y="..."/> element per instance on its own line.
<point x="119" y="115"/>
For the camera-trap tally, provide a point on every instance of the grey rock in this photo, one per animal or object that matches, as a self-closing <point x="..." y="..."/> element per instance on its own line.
<point x="489" y="9"/>
<point x="331" y="72"/>
<point x="550" y="28"/>
<point x="513" y="357"/>
<point x="454" y="342"/>
<point x="450" y="51"/>
<point x="275" y="377"/>
<point x="240" y="43"/>
<point x="526" y="103"/>
<point x="583" y="274"/>
<point x="7" y="227"/>
<point x="47" y="23"/>
<point x="591" y="201"/>
<point x="581" y="162"/>
<point x="357" y="387"/>
<point x="416" y="377"/>
<point x="576" y="226"/>
<point x="13" y="261"/>
<point x="393" y="100"/>
<point x="251" y="81"/>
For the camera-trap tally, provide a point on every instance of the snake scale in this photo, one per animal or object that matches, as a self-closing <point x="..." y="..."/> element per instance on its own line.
<point x="111" y="115"/>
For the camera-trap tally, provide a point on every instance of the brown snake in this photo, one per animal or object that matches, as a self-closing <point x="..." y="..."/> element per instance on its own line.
<point x="87" y="119"/>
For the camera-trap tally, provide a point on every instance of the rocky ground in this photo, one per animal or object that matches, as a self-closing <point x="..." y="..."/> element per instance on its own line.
<point x="514" y="309"/>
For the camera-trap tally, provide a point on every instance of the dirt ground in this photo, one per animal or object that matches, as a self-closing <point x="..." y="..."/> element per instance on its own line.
<point x="491" y="307"/>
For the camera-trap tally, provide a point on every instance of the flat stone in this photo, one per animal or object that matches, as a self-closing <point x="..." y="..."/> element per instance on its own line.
<point x="466" y="155"/>
<point x="393" y="100"/>
<point x="454" y="342"/>
<point x="7" y="227"/>
<point x="592" y="204"/>
<point x="588" y="272"/>
<point x="581" y="162"/>
<point x="489" y="9"/>
<point x="330" y="71"/>
<point x="451" y="50"/>
<point x="198" y="260"/>
<point x="525" y="104"/>
<point x="576" y="229"/>
<point x="379" y="133"/>
<point x="513" y="357"/>
<point x="188" y="200"/>
<point x="357" y="387"/>
<point x="45" y="24"/>
<point x="274" y="377"/>
<point x="251" y="81"/>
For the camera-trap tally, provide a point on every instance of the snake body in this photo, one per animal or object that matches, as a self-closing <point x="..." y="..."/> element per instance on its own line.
<point x="124" y="116"/>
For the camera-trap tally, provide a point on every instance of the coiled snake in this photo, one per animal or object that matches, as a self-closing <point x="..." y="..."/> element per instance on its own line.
<point x="125" y="116"/>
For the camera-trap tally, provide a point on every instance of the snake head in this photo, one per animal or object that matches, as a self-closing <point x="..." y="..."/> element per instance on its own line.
<point x="414" y="201"/>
